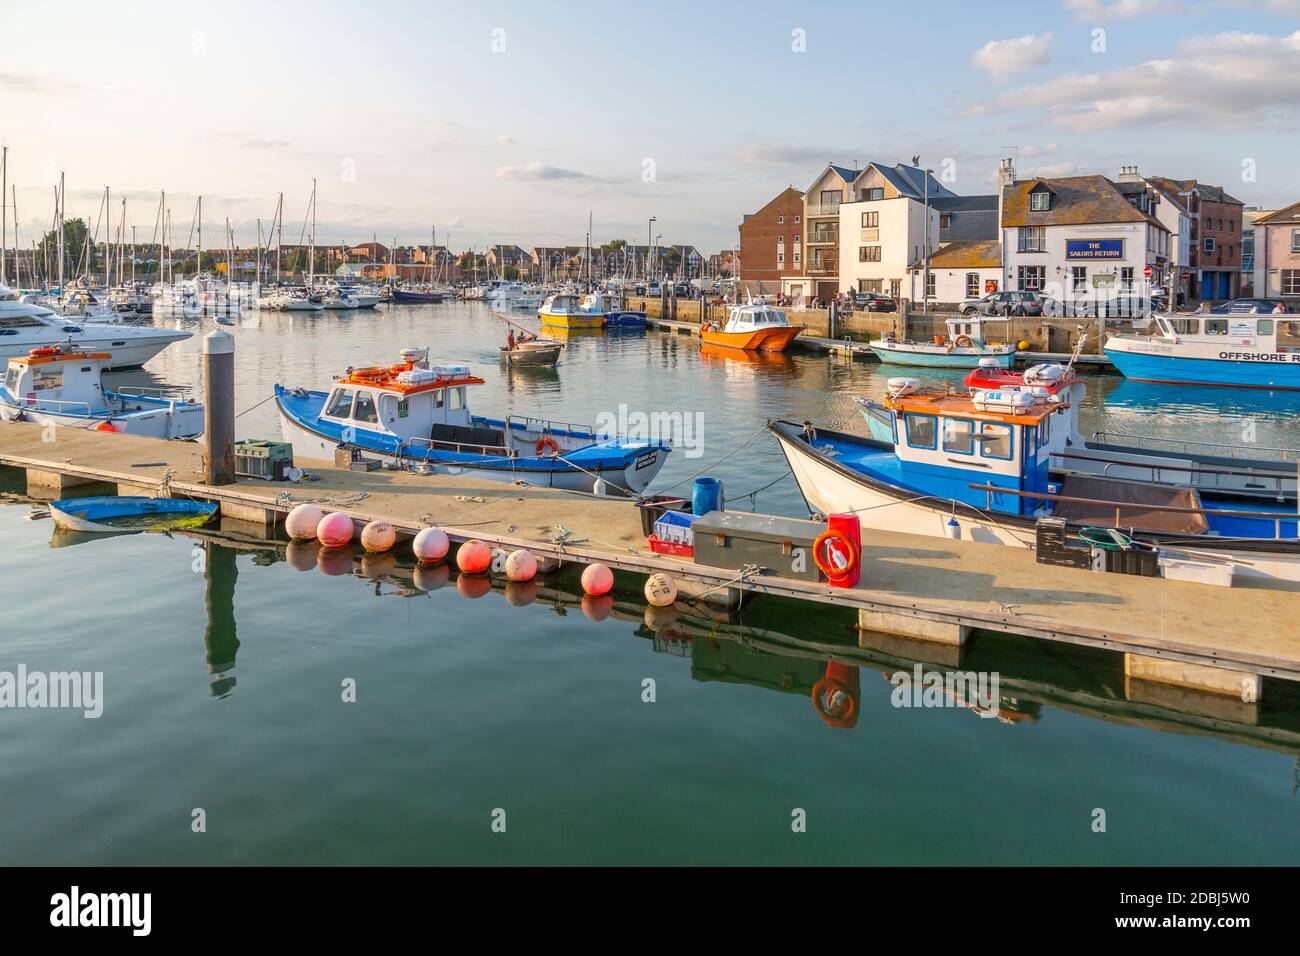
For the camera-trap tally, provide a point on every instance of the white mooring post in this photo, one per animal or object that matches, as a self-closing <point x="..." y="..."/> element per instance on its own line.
<point x="219" y="407"/>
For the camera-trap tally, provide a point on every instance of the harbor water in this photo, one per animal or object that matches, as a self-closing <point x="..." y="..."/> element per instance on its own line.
<point x="314" y="711"/>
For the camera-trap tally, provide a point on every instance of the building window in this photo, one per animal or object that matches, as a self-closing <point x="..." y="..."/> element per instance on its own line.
<point x="780" y="220"/>
<point x="972" y="285"/>
<point x="1032" y="239"/>
<point x="870" y="220"/>
<point x="831" y="198"/>
<point x="868" y="253"/>
<point x="1209" y="243"/>
<point x="1126" y="279"/>
<point x="945" y="220"/>
<point x="780" y="257"/>
<point x="874" y="194"/>
<point x="797" y="239"/>
<point x="1295" y="240"/>
<point x="1291" y="281"/>
<point x="895" y="287"/>
<point x="780" y="240"/>
<point x="1079" y="278"/>
<point x="796" y="220"/>
<point x="1040" y="201"/>
<point x="796" y="258"/>
<point x="870" y="285"/>
<point x="929" y="286"/>
<point x="1030" y="278"/>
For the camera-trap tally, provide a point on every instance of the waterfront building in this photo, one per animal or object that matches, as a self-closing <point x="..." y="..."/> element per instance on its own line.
<point x="1080" y="240"/>
<point x="771" y="243"/>
<point x="1214" y="241"/>
<point x="1277" y="254"/>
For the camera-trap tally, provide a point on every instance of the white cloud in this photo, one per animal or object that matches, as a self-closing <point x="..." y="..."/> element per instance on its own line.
<point x="1003" y="57"/>
<point x="1093" y="10"/>
<point x="1231" y="80"/>
<point x="540" y="172"/>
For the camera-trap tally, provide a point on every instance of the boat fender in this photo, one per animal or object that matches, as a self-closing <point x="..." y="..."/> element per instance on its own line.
<point x="546" y="441"/>
<point x="898" y="387"/>
<point x="835" y="554"/>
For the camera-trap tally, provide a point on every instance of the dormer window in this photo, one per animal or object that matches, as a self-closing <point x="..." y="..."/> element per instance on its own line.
<point x="1040" y="200"/>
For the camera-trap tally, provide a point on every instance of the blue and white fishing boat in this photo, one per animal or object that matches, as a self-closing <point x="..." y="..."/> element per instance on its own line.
<point x="1242" y="351"/>
<point x="963" y="347"/>
<point x="986" y="465"/>
<point x="54" y="387"/>
<point x="416" y="415"/>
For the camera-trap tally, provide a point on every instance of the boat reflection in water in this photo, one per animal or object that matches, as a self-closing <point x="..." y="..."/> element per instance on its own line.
<point x="722" y="356"/>
<point x="812" y="651"/>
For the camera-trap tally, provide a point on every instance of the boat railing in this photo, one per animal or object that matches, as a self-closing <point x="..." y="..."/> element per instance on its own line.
<point x="1193" y="468"/>
<point x="464" y="448"/>
<point x="60" y="406"/>
<point x="1231" y="451"/>
<point x="170" y="393"/>
<point x="1121" y="506"/>
<point x="546" y="426"/>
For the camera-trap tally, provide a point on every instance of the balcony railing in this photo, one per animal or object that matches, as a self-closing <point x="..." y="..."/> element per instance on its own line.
<point x="826" y="239"/>
<point x="815" y="210"/>
<point x="821" y="269"/>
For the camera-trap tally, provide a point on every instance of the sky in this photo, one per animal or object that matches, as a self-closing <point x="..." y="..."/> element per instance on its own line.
<point x="512" y="122"/>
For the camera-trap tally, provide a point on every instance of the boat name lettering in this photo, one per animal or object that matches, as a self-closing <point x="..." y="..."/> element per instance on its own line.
<point x="1260" y="356"/>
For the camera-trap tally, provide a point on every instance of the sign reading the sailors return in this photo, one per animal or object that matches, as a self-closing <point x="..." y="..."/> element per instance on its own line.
<point x="1094" y="248"/>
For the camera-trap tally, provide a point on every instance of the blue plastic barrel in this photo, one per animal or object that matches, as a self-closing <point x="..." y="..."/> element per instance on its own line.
<point x="707" y="496"/>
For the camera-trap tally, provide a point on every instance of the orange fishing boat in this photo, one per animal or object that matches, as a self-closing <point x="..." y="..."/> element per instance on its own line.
<point x="754" y="328"/>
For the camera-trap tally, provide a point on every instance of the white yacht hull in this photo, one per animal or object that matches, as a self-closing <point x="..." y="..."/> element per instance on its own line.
<point x="126" y="351"/>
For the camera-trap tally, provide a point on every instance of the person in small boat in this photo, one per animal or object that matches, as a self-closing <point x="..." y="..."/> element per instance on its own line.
<point x="510" y="338"/>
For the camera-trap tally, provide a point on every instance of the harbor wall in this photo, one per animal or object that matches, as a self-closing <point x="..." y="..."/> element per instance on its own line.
<point x="1042" y="334"/>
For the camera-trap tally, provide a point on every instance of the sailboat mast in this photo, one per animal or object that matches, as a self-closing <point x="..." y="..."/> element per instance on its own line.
<point x="62" y="186"/>
<point x="4" y="218"/>
<point x="311" y="252"/>
<point x="279" y="212"/>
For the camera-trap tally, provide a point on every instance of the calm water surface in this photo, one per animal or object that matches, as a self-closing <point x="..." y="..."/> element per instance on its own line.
<point x="223" y="669"/>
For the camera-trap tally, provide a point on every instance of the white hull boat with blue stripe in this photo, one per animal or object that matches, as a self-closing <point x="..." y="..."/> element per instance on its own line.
<point x="414" y="415"/>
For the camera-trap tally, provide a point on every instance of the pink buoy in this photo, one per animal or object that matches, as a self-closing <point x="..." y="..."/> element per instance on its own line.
<point x="521" y="565"/>
<point x="597" y="579"/>
<point x="431" y="545"/>
<point x="378" y="537"/>
<point x="335" y="530"/>
<point x="302" y="521"/>
<point x="473" y="557"/>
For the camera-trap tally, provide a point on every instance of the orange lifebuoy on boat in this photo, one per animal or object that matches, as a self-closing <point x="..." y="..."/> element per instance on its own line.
<point x="44" y="351"/>
<point x="843" y="549"/>
<point x="546" y="441"/>
<point x="964" y="341"/>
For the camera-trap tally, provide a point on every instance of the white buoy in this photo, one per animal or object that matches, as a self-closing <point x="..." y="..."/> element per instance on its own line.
<point x="431" y="545"/>
<point x="599" y="487"/>
<point x="521" y="565"/>
<point x="660" y="590"/>
<point x="952" y="529"/>
<point x="302" y="521"/>
<point x="378" y="537"/>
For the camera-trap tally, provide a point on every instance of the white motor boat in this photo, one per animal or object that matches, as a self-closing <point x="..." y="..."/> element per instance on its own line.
<point x="25" y="326"/>
<point x="53" y="387"/>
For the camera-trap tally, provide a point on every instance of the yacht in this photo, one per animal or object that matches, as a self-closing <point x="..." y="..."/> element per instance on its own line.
<point x="25" y="326"/>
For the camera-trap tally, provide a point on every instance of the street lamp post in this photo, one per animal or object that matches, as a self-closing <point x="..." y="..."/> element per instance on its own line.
<point x="649" y="229"/>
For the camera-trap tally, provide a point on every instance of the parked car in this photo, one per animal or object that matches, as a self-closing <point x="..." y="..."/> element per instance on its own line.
<point x="874" y="302"/>
<point x="1249" y="306"/>
<point x="653" y="289"/>
<point x="1005" y="303"/>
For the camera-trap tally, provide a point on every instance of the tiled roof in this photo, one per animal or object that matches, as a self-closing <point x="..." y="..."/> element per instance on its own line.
<point x="1076" y="200"/>
<point x="1208" y="193"/>
<point x="910" y="180"/>
<point x="968" y="254"/>
<point x="1289" y="213"/>
<point x="964" y="203"/>
<point x="846" y="174"/>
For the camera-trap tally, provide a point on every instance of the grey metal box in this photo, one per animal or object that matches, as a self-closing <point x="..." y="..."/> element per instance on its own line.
<point x="733" y="539"/>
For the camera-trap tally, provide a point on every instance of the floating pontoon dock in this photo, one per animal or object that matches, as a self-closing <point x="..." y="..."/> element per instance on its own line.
<point x="1221" y="640"/>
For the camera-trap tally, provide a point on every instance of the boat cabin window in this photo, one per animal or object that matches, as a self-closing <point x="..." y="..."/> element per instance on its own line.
<point x="996" y="441"/>
<point x="957" y="438"/>
<point x="1264" y="327"/>
<point x="920" y="430"/>
<point x="11" y="381"/>
<point x="365" y="408"/>
<point x="403" y="408"/>
<point x="1187" y="326"/>
<point x="457" y="397"/>
<point x="1216" y="326"/>
<point x="18" y="322"/>
<point x="340" y="405"/>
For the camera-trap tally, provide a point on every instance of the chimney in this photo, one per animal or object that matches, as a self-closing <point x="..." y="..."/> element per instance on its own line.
<point x="1129" y="174"/>
<point x="1006" y="179"/>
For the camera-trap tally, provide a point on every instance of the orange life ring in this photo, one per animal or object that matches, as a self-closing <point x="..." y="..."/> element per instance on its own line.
<point x="819" y="693"/>
<point x="547" y="441"/>
<point x="846" y="551"/>
<point x="964" y="338"/>
<point x="44" y="351"/>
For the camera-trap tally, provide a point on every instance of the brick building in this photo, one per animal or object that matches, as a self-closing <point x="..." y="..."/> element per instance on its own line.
<point x="771" y="242"/>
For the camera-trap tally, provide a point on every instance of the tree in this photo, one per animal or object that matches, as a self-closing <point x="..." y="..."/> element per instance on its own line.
<point x="74" y="238"/>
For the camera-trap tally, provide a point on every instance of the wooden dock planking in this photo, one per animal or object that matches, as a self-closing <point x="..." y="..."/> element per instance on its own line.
<point x="905" y="577"/>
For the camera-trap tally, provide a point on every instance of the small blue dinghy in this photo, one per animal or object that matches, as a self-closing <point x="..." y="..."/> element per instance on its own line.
<point x="118" y="513"/>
